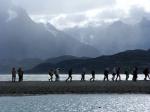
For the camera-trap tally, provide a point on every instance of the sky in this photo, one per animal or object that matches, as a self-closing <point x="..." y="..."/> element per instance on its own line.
<point x="71" y="13"/>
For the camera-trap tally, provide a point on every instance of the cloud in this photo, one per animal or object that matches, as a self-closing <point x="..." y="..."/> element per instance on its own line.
<point x="5" y="5"/>
<point x="135" y="15"/>
<point x="61" y="6"/>
<point x="12" y="15"/>
<point x="68" y="20"/>
<point x="126" y="5"/>
<point x="94" y="17"/>
<point x="72" y="13"/>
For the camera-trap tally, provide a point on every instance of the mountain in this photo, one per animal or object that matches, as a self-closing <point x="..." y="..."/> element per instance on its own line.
<point x="63" y="58"/>
<point x="28" y="63"/>
<point x="22" y="38"/>
<point x="115" y="37"/>
<point x="7" y="64"/>
<point x="54" y="61"/>
<point x="127" y="59"/>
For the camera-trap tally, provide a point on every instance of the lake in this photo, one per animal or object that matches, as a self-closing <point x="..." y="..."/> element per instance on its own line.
<point x="45" y="77"/>
<point x="77" y="103"/>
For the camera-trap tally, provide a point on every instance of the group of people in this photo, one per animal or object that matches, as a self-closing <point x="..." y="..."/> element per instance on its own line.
<point x="20" y="74"/>
<point x="116" y="71"/>
<point x="116" y="74"/>
<point x="52" y="72"/>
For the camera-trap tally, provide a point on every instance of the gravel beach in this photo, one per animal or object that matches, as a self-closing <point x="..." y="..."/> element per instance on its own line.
<point x="76" y="87"/>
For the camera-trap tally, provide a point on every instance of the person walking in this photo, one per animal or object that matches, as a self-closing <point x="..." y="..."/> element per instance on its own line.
<point x="83" y="74"/>
<point x="93" y="76"/>
<point x="118" y="74"/>
<point x="146" y="73"/>
<point x="69" y="75"/>
<point x="126" y="72"/>
<point x="135" y="74"/>
<point x="57" y="74"/>
<point x="106" y="72"/>
<point x="20" y="74"/>
<point x="13" y="75"/>
<point x="51" y="75"/>
<point x="113" y="74"/>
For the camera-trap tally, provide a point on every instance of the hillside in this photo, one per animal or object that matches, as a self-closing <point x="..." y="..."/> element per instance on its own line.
<point x="127" y="59"/>
<point x="63" y="58"/>
<point x="28" y="63"/>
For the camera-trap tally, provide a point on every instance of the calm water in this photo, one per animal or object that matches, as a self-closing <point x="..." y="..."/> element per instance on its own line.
<point x="77" y="103"/>
<point x="45" y="77"/>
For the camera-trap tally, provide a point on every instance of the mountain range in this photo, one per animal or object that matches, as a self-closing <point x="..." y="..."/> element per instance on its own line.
<point x="25" y="43"/>
<point x="126" y="60"/>
<point x="7" y="64"/>
<point x="21" y="38"/>
<point x="118" y="36"/>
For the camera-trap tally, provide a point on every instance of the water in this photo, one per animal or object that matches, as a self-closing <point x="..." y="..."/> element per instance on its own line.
<point x="45" y="77"/>
<point x="77" y="103"/>
<point x="72" y="102"/>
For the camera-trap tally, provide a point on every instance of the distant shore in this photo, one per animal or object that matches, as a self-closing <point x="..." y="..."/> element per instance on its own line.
<point x="76" y="87"/>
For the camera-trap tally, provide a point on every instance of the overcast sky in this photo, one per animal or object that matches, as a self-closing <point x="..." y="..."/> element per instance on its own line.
<point x="70" y="13"/>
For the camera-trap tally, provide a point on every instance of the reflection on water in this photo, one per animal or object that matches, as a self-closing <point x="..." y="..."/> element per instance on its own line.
<point x="77" y="103"/>
<point x="45" y="77"/>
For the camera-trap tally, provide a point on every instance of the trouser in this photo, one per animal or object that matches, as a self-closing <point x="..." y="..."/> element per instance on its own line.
<point x="127" y="77"/>
<point x="106" y="77"/>
<point x="51" y="78"/>
<point x="70" y="77"/>
<point x="82" y="78"/>
<point x="20" y="78"/>
<point x="13" y="78"/>
<point x="57" y="78"/>
<point x="146" y="75"/>
<point x="92" y="79"/>
<point x="134" y="78"/>
<point x="118" y="76"/>
<point x="113" y="76"/>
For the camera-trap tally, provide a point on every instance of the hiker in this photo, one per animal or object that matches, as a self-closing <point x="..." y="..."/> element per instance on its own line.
<point x="57" y="74"/>
<point x="83" y="74"/>
<point x="126" y="72"/>
<point x="113" y="74"/>
<point x="69" y="75"/>
<point x="106" y="72"/>
<point x="135" y="74"/>
<point x="13" y="75"/>
<point x="146" y="73"/>
<point x="20" y="74"/>
<point x="51" y="75"/>
<point x="93" y="76"/>
<point x="118" y="74"/>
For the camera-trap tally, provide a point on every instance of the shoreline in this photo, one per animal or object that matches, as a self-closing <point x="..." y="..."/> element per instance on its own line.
<point x="76" y="87"/>
<point x="26" y="95"/>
